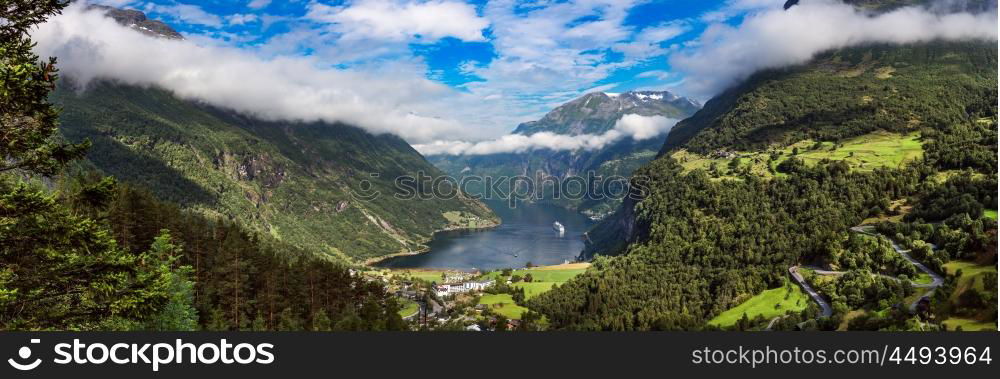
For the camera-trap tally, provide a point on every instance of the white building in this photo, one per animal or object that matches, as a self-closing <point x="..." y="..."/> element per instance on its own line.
<point x="478" y="286"/>
<point x="443" y="290"/>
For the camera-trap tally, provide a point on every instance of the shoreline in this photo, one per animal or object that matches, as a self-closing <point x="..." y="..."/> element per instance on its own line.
<point x="558" y="266"/>
<point x="370" y="262"/>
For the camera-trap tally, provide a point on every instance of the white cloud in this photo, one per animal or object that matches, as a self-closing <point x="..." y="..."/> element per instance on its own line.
<point x="644" y="127"/>
<point x="656" y="74"/>
<point x="402" y="20"/>
<point x="547" y="53"/>
<point x="389" y="99"/>
<point x="629" y="126"/>
<point x="186" y="13"/>
<point x="725" y="55"/>
<point x="241" y="19"/>
<point x="258" y="4"/>
<point x="733" y="8"/>
<point x="647" y="43"/>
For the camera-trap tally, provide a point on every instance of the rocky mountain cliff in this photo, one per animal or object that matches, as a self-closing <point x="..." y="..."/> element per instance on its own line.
<point x="597" y="112"/>
<point x="138" y="21"/>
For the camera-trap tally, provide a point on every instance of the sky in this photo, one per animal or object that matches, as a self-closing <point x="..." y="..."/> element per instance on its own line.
<point x="450" y="73"/>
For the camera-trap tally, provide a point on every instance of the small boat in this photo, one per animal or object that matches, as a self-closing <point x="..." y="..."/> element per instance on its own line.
<point x="558" y="227"/>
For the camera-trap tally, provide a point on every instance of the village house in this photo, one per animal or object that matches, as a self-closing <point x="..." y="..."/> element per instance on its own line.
<point x="453" y="289"/>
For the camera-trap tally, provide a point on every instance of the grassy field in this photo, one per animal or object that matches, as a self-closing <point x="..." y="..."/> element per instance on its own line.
<point x="971" y="275"/>
<point x="848" y="317"/>
<point x="770" y="303"/>
<point x="410" y="308"/>
<point x="535" y="288"/>
<point x="864" y="153"/>
<point x="544" y="274"/>
<point x="503" y="304"/>
<point x="968" y="325"/>
<point x="545" y="277"/>
<point x="902" y="209"/>
<point x="990" y="214"/>
<point x="458" y="219"/>
<point x="425" y="275"/>
<point x="923" y="278"/>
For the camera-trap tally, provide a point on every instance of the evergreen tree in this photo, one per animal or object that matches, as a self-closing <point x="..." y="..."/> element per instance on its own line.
<point x="28" y="122"/>
<point x="58" y="270"/>
<point x="179" y="313"/>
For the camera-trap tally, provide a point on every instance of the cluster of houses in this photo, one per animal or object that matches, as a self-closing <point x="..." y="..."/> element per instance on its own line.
<point x="723" y="154"/>
<point x="443" y="290"/>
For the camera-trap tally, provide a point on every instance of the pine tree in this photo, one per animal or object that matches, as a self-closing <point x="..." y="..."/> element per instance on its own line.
<point x="28" y="122"/>
<point x="179" y="313"/>
<point x="58" y="270"/>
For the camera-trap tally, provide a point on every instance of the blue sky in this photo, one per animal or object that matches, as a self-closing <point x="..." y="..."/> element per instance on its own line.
<point x="270" y="25"/>
<point x="533" y="54"/>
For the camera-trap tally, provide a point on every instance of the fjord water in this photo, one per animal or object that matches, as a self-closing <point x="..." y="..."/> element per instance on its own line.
<point x="526" y="235"/>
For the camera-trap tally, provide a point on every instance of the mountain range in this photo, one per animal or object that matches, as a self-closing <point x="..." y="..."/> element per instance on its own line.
<point x="592" y="114"/>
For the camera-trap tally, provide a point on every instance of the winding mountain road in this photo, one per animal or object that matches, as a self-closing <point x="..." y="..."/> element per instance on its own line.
<point x="937" y="280"/>
<point x="823" y="304"/>
<point x="827" y="311"/>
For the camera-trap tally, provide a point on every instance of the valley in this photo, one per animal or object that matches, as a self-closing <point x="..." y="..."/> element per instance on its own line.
<point x="853" y="188"/>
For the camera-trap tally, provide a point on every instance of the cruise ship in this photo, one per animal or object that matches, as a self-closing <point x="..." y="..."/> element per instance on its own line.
<point x="558" y="227"/>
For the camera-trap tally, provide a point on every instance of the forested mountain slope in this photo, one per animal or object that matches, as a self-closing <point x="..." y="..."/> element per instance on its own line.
<point x="699" y="244"/>
<point x="292" y="181"/>
<point x="846" y="93"/>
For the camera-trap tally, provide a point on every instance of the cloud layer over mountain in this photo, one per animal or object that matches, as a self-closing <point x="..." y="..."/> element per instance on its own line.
<point x="90" y="46"/>
<point x="356" y="62"/>
<point x="724" y="55"/>
<point x="631" y="126"/>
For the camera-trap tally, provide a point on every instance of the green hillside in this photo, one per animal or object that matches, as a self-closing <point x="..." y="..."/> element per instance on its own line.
<point x="291" y="181"/>
<point x="847" y="93"/>
<point x="700" y="243"/>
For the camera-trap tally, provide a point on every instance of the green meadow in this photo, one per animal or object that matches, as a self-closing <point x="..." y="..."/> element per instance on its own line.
<point x="410" y="308"/>
<point x="534" y="288"/>
<point x="864" y="153"/>
<point x="969" y="325"/>
<point x="543" y="279"/>
<point x="770" y="303"/>
<point x="430" y="276"/>
<point x="543" y="274"/>
<point x="972" y="274"/>
<point x="503" y="304"/>
<point x="990" y="214"/>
